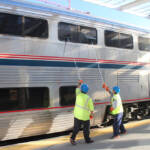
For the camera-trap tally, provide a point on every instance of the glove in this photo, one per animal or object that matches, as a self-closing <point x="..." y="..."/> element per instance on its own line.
<point x="104" y="85"/>
<point x="107" y="89"/>
<point x="111" y="109"/>
<point x="80" y="81"/>
<point x="91" y="117"/>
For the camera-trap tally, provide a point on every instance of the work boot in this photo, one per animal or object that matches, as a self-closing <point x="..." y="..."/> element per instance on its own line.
<point x="72" y="141"/>
<point x="123" y="133"/>
<point x="115" y="137"/>
<point x="90" y="141"/>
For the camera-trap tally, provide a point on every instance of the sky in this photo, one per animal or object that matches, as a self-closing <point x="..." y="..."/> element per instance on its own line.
<point x="101" y="12"/>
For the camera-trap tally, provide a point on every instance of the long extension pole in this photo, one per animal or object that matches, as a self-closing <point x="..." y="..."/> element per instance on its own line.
<point x="75" y="63"/>
<point x="99" y="70"/>
<point x="77" y="69"/>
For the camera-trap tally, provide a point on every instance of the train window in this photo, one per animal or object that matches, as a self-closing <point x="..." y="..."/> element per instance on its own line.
<point x="67" y="32"/>
<point x="18" y="25"/>
<point x="67" y="95"/>
<point x="125" y="41"/>
<point x="76" y="34"/>
<point x="23" y="98"/>
<point x="119" y="40"/>
<point x="34" y="27"/>
<point x="37" y="97"/>
<point x="144" y="43"/>
<point x="10" y="24"/>
<point x="87" y="35"/>
<point x="111" y="38"/>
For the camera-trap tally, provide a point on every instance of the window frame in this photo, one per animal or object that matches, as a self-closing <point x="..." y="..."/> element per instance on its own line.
<point x="139" y="43"/>
<point x="119" y="40"/>
<point x="61" y="102"/>
<point x="24" y="98"/>
<point x="21" y="35"/>
<point x="78" y="32"/>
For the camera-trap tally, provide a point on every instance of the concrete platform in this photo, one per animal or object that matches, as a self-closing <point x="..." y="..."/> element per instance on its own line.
<point x="138" y="138"/>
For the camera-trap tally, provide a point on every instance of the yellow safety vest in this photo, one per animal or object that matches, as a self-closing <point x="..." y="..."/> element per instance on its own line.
<point x="78" y="91"/>
<point x="83" y="106"/>
<point x="116" y="103"/>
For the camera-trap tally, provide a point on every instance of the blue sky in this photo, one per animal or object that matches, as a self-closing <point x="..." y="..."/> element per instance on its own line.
<point x="104" y="12"/>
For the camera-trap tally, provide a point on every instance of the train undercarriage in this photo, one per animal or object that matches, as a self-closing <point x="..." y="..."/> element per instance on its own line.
<point x="132" y="112"/>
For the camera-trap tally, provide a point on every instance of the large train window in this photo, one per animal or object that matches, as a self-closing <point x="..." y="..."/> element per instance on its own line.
<point x="144" y="43"/>
<point x="18" y="25"/>
<point x="34" y="27"/>
<point x="67" y="32"/>
<point x="87" y="35"/>
<point x="23" y="98"/>
<point x="67" y="95"/>
<point x="10" y="24"/>
<point x="76" y="34"/>
<point x="119" y="40"/>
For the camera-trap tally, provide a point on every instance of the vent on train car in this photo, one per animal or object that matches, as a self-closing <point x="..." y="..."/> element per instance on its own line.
<point x="128" y="76"/>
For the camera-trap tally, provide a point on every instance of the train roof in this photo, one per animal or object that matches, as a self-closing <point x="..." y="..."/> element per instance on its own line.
<point x="70" y="14"/>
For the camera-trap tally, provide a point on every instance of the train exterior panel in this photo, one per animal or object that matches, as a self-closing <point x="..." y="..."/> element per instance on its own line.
<point x="39" y="72"/>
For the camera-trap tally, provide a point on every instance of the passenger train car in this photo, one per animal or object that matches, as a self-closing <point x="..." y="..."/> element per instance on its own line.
<point x="44" y="51"/>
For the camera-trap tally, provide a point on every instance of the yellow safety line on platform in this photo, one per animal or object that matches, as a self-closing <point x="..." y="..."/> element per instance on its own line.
<point x="65" y="139"/>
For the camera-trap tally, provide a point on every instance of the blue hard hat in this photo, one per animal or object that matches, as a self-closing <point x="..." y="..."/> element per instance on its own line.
<point x="116" y="89"/>
<point x="84" y="88"/>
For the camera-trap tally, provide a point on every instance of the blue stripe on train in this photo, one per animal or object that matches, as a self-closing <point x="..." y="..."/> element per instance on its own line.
<point x="43" y="63"/>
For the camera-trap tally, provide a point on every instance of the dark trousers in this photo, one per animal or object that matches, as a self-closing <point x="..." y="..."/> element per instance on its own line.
<point x="118" y="126"/>
<point x="86" y="129"/>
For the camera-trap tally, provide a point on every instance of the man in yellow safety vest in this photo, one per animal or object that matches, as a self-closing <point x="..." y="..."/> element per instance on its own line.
<point x="116" y="110"/>
<point x="82" y="112"/>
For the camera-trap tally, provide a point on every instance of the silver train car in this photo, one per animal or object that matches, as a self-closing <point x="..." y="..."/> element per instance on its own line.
<point x="43" y="53"/>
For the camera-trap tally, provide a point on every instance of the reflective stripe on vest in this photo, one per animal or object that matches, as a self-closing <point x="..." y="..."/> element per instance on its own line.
<point x="85" y="106"/>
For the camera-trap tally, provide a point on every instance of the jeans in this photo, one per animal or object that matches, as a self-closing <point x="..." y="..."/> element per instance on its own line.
<point x="118" y="126"/>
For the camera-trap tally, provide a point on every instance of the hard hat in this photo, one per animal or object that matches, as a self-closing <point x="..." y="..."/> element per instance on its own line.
<point x="116" y="89"/>
<point x="84" y="88"/>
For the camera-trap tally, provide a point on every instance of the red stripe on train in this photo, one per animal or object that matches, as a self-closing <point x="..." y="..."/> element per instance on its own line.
<point x="102" y="103"/>
<point x="35" y="57"/>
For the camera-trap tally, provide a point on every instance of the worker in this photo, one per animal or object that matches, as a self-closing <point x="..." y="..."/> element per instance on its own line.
<point x="116" y="110"/>
<point x="82" y="111"/>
